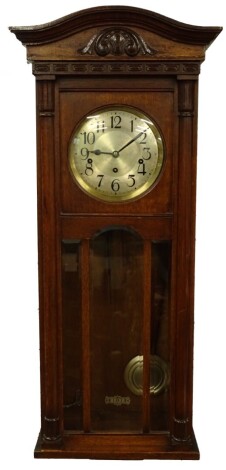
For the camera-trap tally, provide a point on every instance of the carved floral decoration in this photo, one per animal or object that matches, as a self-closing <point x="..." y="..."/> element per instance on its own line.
<point x="117" y="42"/>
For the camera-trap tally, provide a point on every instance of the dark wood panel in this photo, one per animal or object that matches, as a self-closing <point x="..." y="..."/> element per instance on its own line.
<point x="102" y="83"/>
<point x="79" y="227"/>
<point x="74" y="105"/>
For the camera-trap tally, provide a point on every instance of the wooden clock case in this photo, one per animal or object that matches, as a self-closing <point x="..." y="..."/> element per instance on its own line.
<point x="90" y="59"/>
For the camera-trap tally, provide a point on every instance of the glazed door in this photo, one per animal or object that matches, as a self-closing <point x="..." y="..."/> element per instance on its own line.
<point x="116" y="332"/>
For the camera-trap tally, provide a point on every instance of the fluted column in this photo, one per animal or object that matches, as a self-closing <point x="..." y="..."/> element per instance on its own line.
<point x="182" y="400"/>
<point x="49" y="354"/>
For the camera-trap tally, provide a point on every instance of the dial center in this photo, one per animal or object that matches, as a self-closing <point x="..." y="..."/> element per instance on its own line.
<point x="115" y="154"/>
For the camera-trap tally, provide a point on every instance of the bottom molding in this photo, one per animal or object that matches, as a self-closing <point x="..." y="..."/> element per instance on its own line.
<point x="122" y="447"/>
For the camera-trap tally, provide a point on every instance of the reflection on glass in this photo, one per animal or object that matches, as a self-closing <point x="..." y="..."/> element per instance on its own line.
<point x="71" y="307"/>
<point x="116" y="311"/>
<point x="161" y="262"/>
<point x="117" y="333"/>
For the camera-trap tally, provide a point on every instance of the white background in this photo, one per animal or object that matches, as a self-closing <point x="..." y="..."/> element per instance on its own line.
<point x="19" y="340"/>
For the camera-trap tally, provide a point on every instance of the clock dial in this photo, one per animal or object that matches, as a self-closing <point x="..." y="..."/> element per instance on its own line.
<point x="116" y="154"/>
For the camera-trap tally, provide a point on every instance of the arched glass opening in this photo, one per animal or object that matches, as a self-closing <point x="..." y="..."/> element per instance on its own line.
<point x="116" y="324"/>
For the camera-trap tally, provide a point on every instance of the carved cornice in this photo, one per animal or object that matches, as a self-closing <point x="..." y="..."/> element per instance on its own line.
<point x="117" y="42"/>
<point x="113" y="16"/>
<point x="116" y="68"/>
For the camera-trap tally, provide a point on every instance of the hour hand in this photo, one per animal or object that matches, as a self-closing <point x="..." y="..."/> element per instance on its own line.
<point x="99" y="152"/>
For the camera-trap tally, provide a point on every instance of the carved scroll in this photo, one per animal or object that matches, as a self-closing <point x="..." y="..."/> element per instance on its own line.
<point x="117" y="42"/>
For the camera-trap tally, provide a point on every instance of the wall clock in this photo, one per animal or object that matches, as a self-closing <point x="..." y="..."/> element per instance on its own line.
<point x="117" y="91"/>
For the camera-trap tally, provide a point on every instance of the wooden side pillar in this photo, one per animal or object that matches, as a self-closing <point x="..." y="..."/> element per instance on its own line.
<point x="47" y="239"/>
<point x="85" y="263"/>
<point x="146" y="335"/>
<point x="187" y="105"/>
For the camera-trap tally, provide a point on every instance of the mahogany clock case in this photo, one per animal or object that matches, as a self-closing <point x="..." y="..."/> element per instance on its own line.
<point x="116" y="277"/>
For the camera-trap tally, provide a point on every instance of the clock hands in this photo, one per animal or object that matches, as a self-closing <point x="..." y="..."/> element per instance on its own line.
<point x="116" y="153"/>
<point x="99" y="152"/>
<point x="133" y="140"/>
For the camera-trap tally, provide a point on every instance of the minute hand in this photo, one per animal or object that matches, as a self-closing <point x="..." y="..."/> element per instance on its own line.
<point x="133" y="140"/>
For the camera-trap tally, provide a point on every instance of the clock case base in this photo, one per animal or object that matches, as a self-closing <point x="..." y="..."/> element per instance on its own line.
<point x="127" y="447"/>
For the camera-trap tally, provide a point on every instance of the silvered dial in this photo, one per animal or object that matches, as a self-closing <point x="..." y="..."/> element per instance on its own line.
<point x="116" y="154"/>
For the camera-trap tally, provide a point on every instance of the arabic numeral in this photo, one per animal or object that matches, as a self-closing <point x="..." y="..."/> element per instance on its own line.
<point x="89" y="168"/>
<point x="84" y="153"/>
<point x="116" y="122"/>
<point x="143" y="138"/>
<point x="100" y="181"/>
<point x="89" y="137"/>
<point x="146" y="153"/>
<point x="131" y="180"/>
<point x="141" y="167"/>
<point x="115" y="186"/>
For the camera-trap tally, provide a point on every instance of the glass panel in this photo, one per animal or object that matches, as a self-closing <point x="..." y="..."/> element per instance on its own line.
<point x="116" y="310"/>
<point x="159" y="370"/>
<point x="71" y="305"/>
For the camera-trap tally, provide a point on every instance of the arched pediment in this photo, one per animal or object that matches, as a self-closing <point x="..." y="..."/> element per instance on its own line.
<point x="110" y="16"/>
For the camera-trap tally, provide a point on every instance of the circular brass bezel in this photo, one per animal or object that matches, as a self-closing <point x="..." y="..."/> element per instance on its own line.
<point x="136" y="193"/>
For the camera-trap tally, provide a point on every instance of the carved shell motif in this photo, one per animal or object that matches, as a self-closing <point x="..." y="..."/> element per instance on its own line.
<point x="117" y="42"/>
